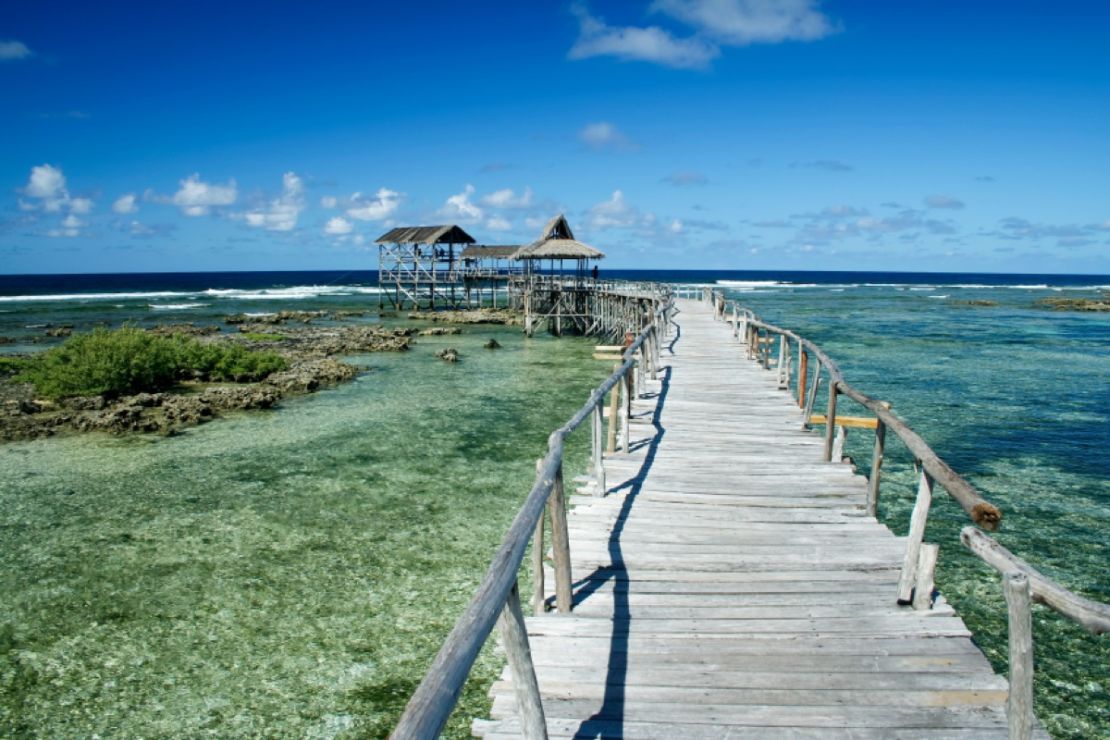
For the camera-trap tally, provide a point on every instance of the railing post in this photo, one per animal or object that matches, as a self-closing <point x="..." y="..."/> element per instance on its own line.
<point x="653" y="351"/>
<point x="640" y="375"/>
<point x="626" y="411"/>
<point x="839" y="442"/>
<point x="1019" y="708"/>
<point x="918" y="519"/>
<point x="803" y="368"/>
<point x="614" y="400"/>
<point x="813" y="388"/>
<point x="560" y="543"/>
<point x="539" y="595"/>
<point x="926" y="572"/>
<point x="597" y="459"/>
<point x="876" y="469"/>
<point x="784" y="363"/>
<point x="830" y="420"/>
<point x="514" y="636"/>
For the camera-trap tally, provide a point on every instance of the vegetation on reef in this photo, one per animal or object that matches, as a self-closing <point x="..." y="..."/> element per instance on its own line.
<point x="1077" y="304"/>
<point x="256" y="336"/>
<point x="129" y="360"/>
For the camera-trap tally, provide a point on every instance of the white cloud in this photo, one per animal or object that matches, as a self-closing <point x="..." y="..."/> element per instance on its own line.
<point x="603" y="135"/>
<point x="46" y="190"/>
<point x="282" y="212"/>
<point x="652" y="44"/>
<point x="71" y="226"/>
<point x="125" y="204"/>
<point x="497" y="223"/>
<point x="80" y="205"/>
<point x="715" y="23"/>
<point x="12" y="49"/>
<point x="506" y="198"/>
<point x="613" y="213"/>
<point x="196" y="198"/>
<point x="685" y="178"/>
<point x="743" y="22"/>
<point x="338" y="226"/>
<point x="329" y="201"/>
<point x="459" y="208"/>
<point x="676" y="226"/>
<point x="944" y="201"/>
<point x="384" y="203"/>
<point x="47" y="183"/>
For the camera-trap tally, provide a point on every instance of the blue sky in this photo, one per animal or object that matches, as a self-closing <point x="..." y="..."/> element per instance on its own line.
<point x="742" y="134"/>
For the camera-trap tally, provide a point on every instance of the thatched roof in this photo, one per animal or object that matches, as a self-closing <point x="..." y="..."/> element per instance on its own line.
<point x="488" y="252"/>
<point x="425" y="235"/>
<point x="557" y="242"/>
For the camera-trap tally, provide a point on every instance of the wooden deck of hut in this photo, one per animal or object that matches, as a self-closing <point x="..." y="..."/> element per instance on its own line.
<point x="731" y="584"/>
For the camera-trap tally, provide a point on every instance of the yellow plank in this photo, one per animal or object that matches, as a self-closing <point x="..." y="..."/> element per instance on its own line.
<point x="852" y="422"/>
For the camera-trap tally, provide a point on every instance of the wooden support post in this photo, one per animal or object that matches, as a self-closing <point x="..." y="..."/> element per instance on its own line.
<point x="830" y="421"/>
<point x="876" y="469"/>
<point x="812" y="397"/>
<point x="803" y="368"/>
<point x="626" y="412"/>
<point x="1019" y="708"/>
<point x="926" y="571"/>
<point x="838" y="443"/>
<point x="514" y="636"/>
<point x="560" y="543"/>
<point x="539" y="595"/>
<point x="918" y="519"/>
<point x="614" y="399"/>
<point x="639" y="388"/>
<point x="598" y="458"/>
<point x="655" y="352"/>
<point x="784" y="363"/>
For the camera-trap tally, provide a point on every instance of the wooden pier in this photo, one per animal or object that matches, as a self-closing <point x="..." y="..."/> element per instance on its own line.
<point x="732" y="585"/>
<point x="721" y="573"/>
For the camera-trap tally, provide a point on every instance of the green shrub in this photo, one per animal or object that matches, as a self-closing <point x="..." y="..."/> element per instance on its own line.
<point x="129" y="360"/>
<point x="105" y="362"/>
<point x="12" y="365"/>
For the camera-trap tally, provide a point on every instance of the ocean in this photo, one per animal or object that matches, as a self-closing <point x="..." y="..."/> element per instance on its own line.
<point x="292" y="572"/>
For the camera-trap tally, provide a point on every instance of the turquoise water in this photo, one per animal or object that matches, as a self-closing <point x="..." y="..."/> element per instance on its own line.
<point x="288" y="573"/>
<point x="1017" y="399"/>
<point x="293" y="572"/>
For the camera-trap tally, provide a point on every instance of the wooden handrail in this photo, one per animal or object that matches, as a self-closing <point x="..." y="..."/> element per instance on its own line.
<point x="434" y="699"/>
<point x="981" y="511"/>
<point x="1093" y="615"/>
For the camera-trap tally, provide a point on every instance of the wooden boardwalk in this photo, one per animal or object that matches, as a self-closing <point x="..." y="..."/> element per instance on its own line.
<point x="730" y="584"/>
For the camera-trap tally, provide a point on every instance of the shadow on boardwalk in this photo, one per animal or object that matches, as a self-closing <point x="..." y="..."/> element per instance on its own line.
<point x="609" y="719"/>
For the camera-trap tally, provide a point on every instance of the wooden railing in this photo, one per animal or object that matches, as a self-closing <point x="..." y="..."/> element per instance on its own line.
<point x="1022" y="583"/>
<point x="497" y="599"/>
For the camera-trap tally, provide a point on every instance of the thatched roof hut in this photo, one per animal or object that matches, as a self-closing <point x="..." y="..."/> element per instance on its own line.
<point x="449" y="234"/>
<point x="484" y="252"/>
<point x="557" y="242"/>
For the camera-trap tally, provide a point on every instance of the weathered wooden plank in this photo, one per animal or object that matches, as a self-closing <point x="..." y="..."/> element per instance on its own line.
<point x="631" y="730"/>
<point x="732" y="584"/>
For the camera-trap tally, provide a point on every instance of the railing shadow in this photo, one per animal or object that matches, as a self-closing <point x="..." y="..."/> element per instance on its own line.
<point x="608" y="721"/>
